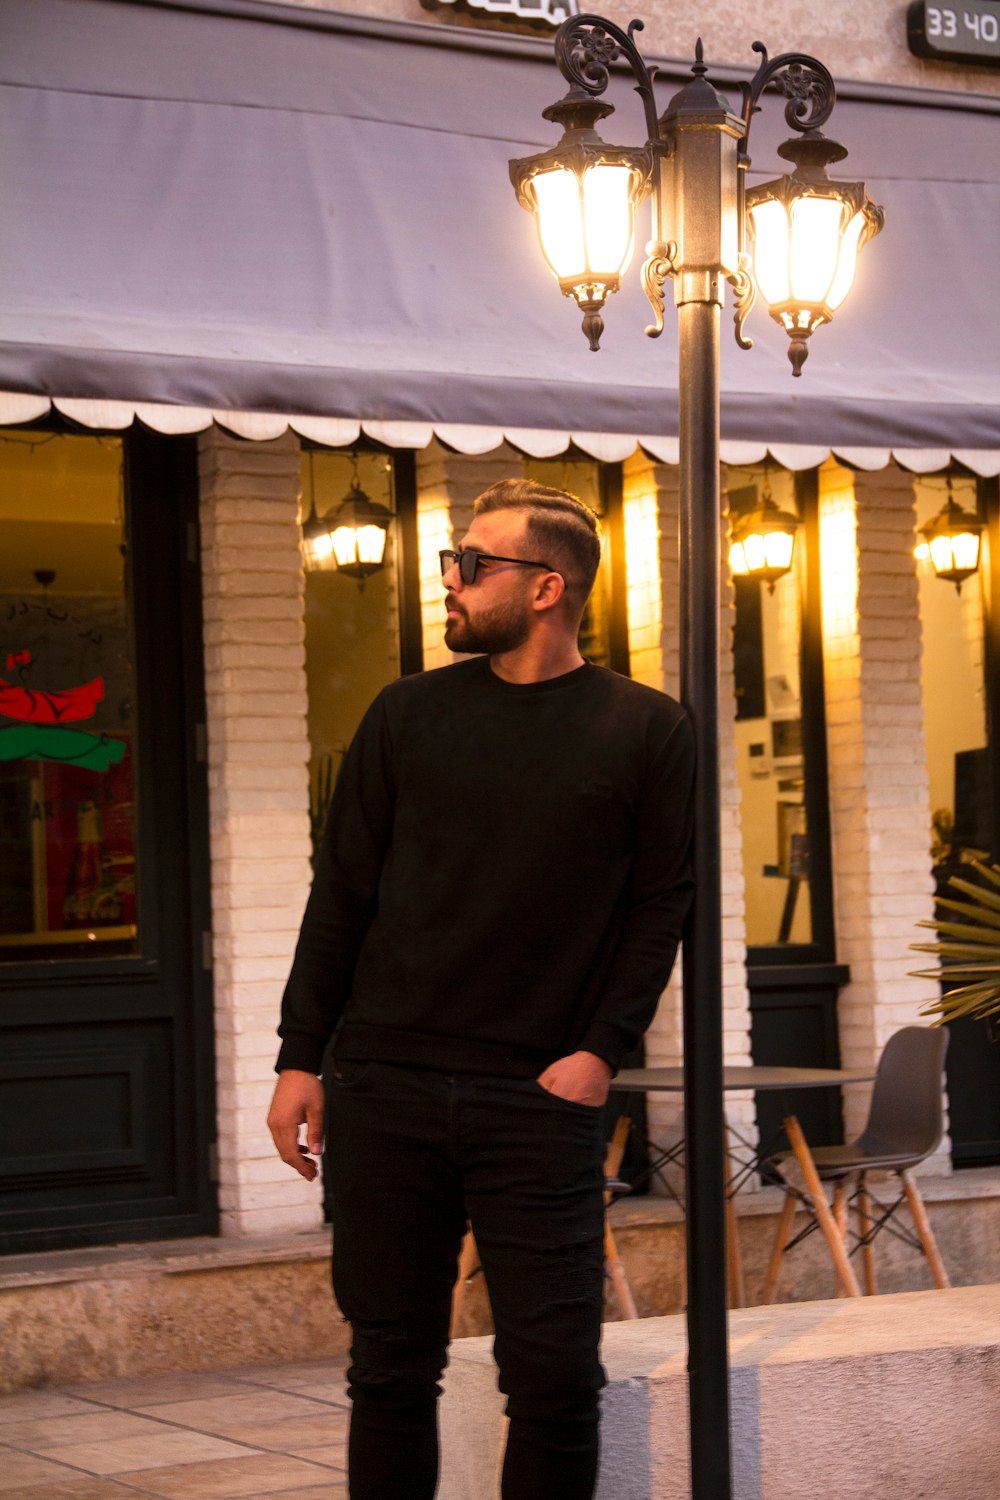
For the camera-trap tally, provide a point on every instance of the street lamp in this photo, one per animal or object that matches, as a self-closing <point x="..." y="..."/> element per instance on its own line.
<point x="695" y="160"/>
<point x="806" y="229"/>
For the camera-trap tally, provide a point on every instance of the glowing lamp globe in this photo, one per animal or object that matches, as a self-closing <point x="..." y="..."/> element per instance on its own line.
<point x="584" y="195"/>
<point x="806" y="233"/>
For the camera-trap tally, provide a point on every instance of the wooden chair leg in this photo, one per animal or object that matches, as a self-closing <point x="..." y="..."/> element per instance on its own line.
<point x="923" y="1226"/>
<point x="840" y="1208"/>
<point x="613" y="1261"/>
<point x="865" y="1222"/>
<point x="781" y="1239"/>
<point x="839" y="1211"/>
<point x="616" y="1271"/>
<point x="814" y="1187"/>
<point x="616" y="1150"/>
<point x="734" y="1257"/>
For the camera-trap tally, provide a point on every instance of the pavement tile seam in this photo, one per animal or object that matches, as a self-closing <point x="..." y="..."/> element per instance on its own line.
<point x="230" y="1479"/>
<point x="75" y="1489"/>
<point x="172" y="1423"/>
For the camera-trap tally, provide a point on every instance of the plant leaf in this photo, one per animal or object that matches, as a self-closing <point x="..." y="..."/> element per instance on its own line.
<point x="964" y="930"/>
<point x="977" y="893"/>
<point x="958" y="950"/>
<point x="959" y="972"/>
<point x="976" y="913"/>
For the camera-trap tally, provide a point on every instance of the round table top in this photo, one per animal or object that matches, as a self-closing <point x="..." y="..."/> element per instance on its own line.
<point x="742" y="1076"/>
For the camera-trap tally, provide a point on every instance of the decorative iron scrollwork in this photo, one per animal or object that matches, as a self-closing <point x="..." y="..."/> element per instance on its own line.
<point x="744" y="296"/>
<point x="586" y="46"/>
<point x="805" y="82"/>
<point x="658" y="265"/>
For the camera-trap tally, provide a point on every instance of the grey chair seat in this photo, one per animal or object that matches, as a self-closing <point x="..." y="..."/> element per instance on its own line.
<point x="905" y="1124"/>
<point x="838" y="1161"/>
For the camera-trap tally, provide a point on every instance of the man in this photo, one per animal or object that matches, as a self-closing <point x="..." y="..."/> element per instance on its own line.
<point x="495" y="912"/>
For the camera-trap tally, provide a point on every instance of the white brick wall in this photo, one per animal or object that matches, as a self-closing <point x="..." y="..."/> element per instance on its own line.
<point x="652" y="554"/>
<point x="879" y="798"/>
<point x="258" y="801"/>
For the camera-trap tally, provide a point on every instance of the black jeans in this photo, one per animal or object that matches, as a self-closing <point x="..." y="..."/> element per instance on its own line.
<point x="412" y="1154"/>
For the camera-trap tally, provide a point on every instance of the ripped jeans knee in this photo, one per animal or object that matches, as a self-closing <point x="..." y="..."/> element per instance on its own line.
<point x="393" y="1367"/>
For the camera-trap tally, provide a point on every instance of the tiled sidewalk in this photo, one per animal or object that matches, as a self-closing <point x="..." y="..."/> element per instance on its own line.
<point x="274" y="1432"/>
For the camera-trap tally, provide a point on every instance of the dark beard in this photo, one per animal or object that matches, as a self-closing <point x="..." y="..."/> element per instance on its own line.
<point x="493" y="634"/>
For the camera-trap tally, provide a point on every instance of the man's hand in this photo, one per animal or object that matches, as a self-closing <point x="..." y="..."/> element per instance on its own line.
<point x="582" y="1077"/>
<point x="297" y="1101"/>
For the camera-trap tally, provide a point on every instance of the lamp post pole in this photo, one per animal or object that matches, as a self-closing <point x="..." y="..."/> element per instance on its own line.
<point x="704" y="196"/>
<point x="708" y="1394"/>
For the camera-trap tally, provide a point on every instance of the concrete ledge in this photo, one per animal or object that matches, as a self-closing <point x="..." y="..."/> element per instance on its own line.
<point x="964" y="1210"/>
<point x="203" y="1304"/>
<point x="868" y="1398"/>
<point x="199" y="1304"/>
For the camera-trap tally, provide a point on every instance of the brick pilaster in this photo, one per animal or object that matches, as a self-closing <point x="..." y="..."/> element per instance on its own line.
<point x="879" y="797"/>
<point x="652" y="547"/>
<point x="258" y="752"/>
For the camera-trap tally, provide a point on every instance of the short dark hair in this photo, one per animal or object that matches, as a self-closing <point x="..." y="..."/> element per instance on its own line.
<point x="565" y="532"/>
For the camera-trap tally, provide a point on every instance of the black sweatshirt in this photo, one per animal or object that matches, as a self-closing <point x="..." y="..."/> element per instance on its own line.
<point x="503" y="877"/>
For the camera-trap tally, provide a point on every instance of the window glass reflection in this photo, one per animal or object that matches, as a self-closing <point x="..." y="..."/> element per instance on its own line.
<point x="352" y="625"/>
<point x="67" y="758"/>
<point x="771" y="768"/>
<point x="953" y="683"/>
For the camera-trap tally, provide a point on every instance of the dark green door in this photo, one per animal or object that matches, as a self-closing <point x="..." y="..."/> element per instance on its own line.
<point x="106" y="1091"/>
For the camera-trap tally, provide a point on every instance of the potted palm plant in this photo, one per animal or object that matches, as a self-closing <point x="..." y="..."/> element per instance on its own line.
<point x="969" y="947"/>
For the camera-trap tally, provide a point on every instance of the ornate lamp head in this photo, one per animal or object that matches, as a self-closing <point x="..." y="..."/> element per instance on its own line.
<point x="806" y="232"/>
<point x="584" y="194"/>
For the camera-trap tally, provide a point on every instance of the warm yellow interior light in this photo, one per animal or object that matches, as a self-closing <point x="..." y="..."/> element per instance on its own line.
<point x="370" y="543"/>
<point x="364" y="544"/>
<point x="317" y="547"/>
<point x="958" y="552"/>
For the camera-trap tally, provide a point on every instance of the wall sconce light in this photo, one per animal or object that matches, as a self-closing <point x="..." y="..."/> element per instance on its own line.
<point x="763" y="542"/>
<point x="952" y="541"/>
<point x="350" y="539"/>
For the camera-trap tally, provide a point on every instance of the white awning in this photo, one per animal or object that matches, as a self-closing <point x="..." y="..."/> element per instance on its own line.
<point x="343" y="432"/>
<point x="231" y="210"/>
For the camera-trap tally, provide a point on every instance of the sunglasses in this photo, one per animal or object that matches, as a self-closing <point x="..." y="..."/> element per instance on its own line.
<point x="468" y="562"/>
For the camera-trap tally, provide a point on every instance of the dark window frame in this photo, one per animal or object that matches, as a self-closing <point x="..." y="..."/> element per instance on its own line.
<point x="67" y="996"/>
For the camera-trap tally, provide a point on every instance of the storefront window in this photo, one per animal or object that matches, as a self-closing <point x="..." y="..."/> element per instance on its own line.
<point x="67" y="757"/>
<point x="769" y="732"/>
<point x="352" y="626"/>
<point x="953" y="682"/>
